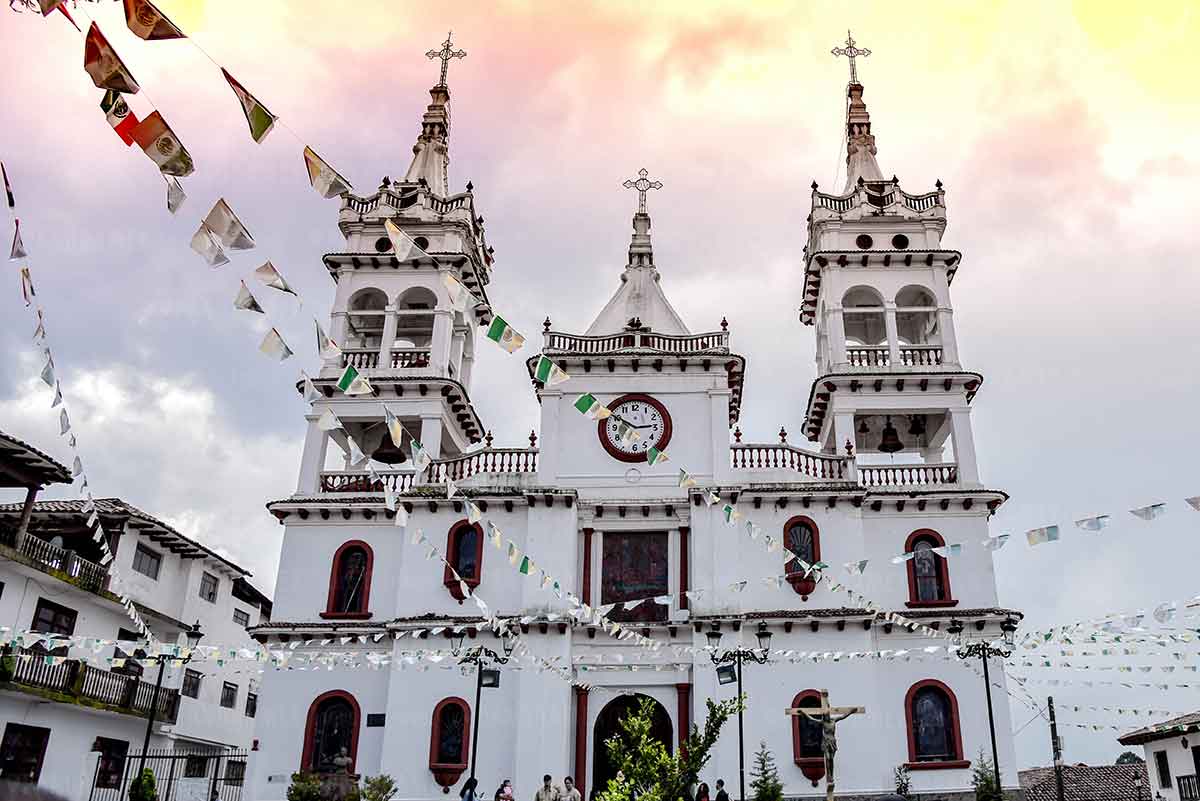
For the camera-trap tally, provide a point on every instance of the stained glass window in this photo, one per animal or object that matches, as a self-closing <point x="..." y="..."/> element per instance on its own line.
<point x="451" y="728"/>
<point x="351" y="574"/>
<point x="635" y="567"/>
<point x="810" y="731"/>
<point x="801" y="539"/>
<point x="333" y="732"/>
<point x="933" y="726"/>
<point x="927" y="572"/>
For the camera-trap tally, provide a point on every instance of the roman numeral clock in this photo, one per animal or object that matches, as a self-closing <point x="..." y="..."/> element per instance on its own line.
<point x="647" y="415"/>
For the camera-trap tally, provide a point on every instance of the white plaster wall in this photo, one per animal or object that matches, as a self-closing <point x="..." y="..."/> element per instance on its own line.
<point x="1179" y="759"/>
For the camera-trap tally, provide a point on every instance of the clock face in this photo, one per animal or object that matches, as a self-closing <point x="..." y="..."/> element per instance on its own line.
<point x="647" y="416"/>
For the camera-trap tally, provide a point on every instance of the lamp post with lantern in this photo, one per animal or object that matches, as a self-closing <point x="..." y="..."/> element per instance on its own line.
<point x="193" y="635"/>
<point x="729" y="670"/>
<point x="985" y="650"/>
<point x="480" y="656"/>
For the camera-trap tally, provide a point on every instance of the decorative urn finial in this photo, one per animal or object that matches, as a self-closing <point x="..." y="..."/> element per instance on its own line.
<point x="783" y="435"/>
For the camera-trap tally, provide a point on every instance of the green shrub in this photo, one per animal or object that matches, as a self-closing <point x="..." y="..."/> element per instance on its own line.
<point x="304" y="787"/>
<point x="143" y="788"/>
<point x="764" y="778"/>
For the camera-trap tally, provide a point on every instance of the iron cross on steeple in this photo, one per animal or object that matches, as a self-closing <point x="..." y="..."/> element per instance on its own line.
<point x="642" y="185"/>
<point x="445" y="54"/>
<point x="851" y="52"/>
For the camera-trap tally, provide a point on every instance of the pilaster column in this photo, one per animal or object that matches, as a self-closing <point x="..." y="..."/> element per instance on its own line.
<point x="439" y="350"/>
<point x="456" y="353"/>
<point x="339" y="330"/>
<point x="683" y="695"/>
<point x="431" y="435"/>
<point x="684" y="538"/>
<point x="893" y="336"/>
<point x="581" y="739"/>
<point x="843" y="429"/>
<point x="553" y="404"/>
<point x="390" y="323"/>
<point x="719" y="434"/>
<point x="837" y="336"/>
<point x="585" y="578"/>
<point x="312" y="459"/>
<point x="945" y="324"/>
<point x="964" y="446"/>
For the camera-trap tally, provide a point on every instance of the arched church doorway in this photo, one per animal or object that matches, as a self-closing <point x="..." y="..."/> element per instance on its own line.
<point x="608" y="724"/>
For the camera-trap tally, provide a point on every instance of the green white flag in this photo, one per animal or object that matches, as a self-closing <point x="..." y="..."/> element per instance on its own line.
<point x="260" y="120"/>
<point x="594" y="409"/>
<point x="685" y="480"/>
<point x="420" y="456"/>
<point x="524" y="568"/>
<point x="655" y="456"/>
<point x="548" y="372"/>
<point x="352" y="383"/>
<point x="504" y="335"/>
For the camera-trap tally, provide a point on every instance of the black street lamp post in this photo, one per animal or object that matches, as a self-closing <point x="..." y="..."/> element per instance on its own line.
<point x="480" y="656"/>
<point x="985" y="650"/>
<point x="193" y="635"/>
<point x="729" y="670"/>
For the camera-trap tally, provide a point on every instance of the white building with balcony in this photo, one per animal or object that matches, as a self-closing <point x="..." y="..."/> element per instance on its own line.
<point x="74" y="724"/>
<point x="1172" y="751"/>
<point x="892" y="471"/>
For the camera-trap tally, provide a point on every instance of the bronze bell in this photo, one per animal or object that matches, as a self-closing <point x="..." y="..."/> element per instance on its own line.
<point x="916" y="427"/>
<point x="890" y="442"/>
<point x="863" y="428"/>
<point x="388" y="453"/>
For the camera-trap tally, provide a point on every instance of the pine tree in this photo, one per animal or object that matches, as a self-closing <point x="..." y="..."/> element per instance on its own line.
<point x="764" y="778"/>
<point x="983" y="778"/>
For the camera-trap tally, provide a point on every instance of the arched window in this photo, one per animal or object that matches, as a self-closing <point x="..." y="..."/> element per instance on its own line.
<point x="350" y="582"/>
<point x="864" y="323"/>
<point x="800" y="536"/>
<point x="449" y="740"/>
<point x="464" y="550"/>
<point x="928" y="573"/>
<point x="806" y="738"/>
<point x="330" y="732"/>
<point x="934" y="739"/>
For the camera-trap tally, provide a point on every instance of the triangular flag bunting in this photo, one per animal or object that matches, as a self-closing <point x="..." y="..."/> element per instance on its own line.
<point x="394" y="426"/>
<point x="548" y="372"/>
<point x="209" y="248"/>
<point x="1151" y="512"/>
<point x="104" y="65"/>
<point x="311" y="393"/>
<point x="259" y="119"/>
<point x="504" y="335"/>
<point x="353" y="383"/>
<point x="12" y="201"/>
<point x="272" y="278"/>
<point x="1093" y="523"/>
<point x="324" y="178"/>
<point x="246" y="301"/>
<point x="117" y="112"/>
<point x="1193" y="502"/>
<point x="226" y="226"/>
<point x="147" y="22"/>
<point x="655" y="456"/>
<point x="274" y="346"/>
<point x="328" y="421"/>
<point x="403" y="245"/>
<point x="856" y="568"/>
<point x="18" y="247"/>
<point x="326" y="347"/>
<point x="162" y="146"/>
<point x="1040" y="536"/>
<point x="28" y="294"/>
<point x="588" y="405"/>
<point x="996" y="543"/>
<point x="420" y="456"/>
<point x="685" y="480"/>
<point x="175" y="194"/>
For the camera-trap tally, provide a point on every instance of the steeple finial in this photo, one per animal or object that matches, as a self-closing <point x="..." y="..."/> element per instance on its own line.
<point x="642" y="185"/>
<point x="445" y="54"/>
<point x="641" y="254"/>
<point x="851" y="52"/>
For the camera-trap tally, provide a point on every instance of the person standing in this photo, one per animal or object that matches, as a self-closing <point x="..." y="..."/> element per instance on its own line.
<point x="469" y="791"/>
<point x="721" y="794"/>
<point x="505" y="791"/>
<point x="547" y="792"/>
<point x="702" y="792"/>
<point x="570" y="791"/>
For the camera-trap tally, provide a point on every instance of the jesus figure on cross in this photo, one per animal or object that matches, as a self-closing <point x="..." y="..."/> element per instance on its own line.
<point x="828" y="717"/>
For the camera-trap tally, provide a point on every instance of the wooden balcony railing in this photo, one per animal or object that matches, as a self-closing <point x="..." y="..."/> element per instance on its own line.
<point x="871" y="356"/>
<point x="716" y="342"/>
<point x="78" y="680"/>
<point x="489" y="460"/>
<point x="787" y="457"/>
<point x="54" y="560"/>
<point x="910" y="475"/>
<point x="1189" y="789"/>
<point x="920" y="355"/>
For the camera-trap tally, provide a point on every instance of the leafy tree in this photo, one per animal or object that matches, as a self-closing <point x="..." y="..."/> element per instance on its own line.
<point x="304" y="787"/>
<point x="378" y="788"/>
<point x="903" y="778"/>
<point x="764" y="778"/>
<point x="142" y="788"/>
<point x="983" y="779"/>
<point x="1129" y="758"/>
<point x="646" y="771"/>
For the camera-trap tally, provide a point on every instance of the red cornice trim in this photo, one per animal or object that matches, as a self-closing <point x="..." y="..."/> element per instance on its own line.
<point x="635" y="457"/>
<point x="813" y="768"/>
<point x="581" y="738"/>
<point x="804" y="586"/>
<point x="683" y="698"/>
<point x="447" y="774"/>
<point x="452" y="540"/>
<point x="330" y="612"/>
<point x="942" y="565"/>
<point x="913" y="763"/>
<point x="311" y="720"/>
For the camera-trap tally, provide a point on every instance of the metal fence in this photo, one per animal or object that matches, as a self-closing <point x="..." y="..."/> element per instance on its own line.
<point x="191" y="775"/>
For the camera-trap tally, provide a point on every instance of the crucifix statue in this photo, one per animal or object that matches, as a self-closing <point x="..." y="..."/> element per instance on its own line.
<point x="828" y="716"/>
<point x="445" y="54"/>
<point x="642" y="185"/>
<point x="851" y="52"/>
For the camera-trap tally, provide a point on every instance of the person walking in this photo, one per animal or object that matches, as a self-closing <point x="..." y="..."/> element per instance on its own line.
<point x="469" y="791"/>
<point x="547" y="792"/>
<point x="721" y="794"/>
<point x="702" y="792"/>
<point x="570" y="791"/>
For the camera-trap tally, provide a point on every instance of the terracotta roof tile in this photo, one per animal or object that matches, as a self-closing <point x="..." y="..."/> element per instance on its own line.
<point x="1085" y="783"/>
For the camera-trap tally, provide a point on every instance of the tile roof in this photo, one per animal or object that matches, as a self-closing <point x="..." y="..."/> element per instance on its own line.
<point x="116" y="508"/>
<point x="44" y="467"/>
<point x="1086" y="783"/>
<point x="1161" y="731"/>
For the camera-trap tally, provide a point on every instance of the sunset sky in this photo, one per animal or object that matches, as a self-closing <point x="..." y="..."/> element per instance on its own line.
<point x="1065" y="133"/>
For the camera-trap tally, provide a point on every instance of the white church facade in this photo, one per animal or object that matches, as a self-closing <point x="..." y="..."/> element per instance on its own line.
<point x="890" y="469"/>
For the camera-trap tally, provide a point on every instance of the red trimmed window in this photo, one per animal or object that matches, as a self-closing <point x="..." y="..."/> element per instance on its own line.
<point x="800" y="536"/>
<point x="331" y="728"/>
<point x="464" y="550"/>
<point x="928" y="573"/>
<point x="449" y="741"/>
<point x="350" y="582"/>
<point x="806" y="738"/>
<point x="934" y="737"/>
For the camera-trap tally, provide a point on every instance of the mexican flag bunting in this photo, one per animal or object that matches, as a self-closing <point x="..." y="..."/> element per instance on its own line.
<point x="1151" y="512"/>
<point x="12" y="203"/>
<point x="711" y="498"/>
<point x="324" y="178"/>
<point x="1040" y="536"/>
<point x="996" y="543"/>
<point x="18" y="247"/>
<point x="77" y="468"/>
<point x="28" y="293"/>
<point x="357" y="457"/>
<point x="227" y="227"/>
<point x="394" y="426"/>
<point x="326" y="347"/>
<point x="403" y="245"/>
<point x="504" y="335"/>
<point x="260" y="120"/>
<point x="117" y="112"/>
<point x="730" y="513"/>
<point x="389" y="498"/>
<point x="588" y="405"/>
<point x="274" y="346"/>
<point x="246" y="301"/>
<point x="352" y="383"/>
<point x="655" y="456"/>
<point x="209" y="247"/>
<point x="856" y="568"/>
<point x="451" y="489"/>
<point x="162" y="146"/>
<point x="105" y="66"/>
<point x="328" y="421"/>
<point x="401" y="516"/>
<point x="1093" y="523"/>
<point x="627" y="433"/>
<point x="685" y="480"/>
<point x="548" y="372"/>
<point x="524" y="568"/>
<point x="40" y="331"/>
<point x="175" y="194"/>
<point x="902" y="558"/>
<point x="272" y="278"/>
<point x="514" y="554"/>
<point x="420" y="456"/>
<point x="493" y="533"/>
<point x="147" y="22"/>
<point x="48" y="373"/>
